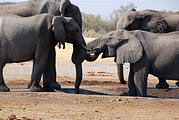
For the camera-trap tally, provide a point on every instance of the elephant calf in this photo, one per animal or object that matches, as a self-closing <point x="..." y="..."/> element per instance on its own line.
<point x="147" y="53"/>
<point x="34" y="38"/>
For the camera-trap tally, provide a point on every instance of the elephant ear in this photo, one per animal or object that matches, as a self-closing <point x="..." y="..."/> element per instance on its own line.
<point x="59" y="30"/>
<point x="109" y="52"/>
<point x="129" y="50"/>
<point x="71" y="25"/>
<point x="153" y="22"/>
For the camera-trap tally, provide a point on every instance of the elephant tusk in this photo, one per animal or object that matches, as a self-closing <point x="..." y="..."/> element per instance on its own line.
<point x="93" y="51"/>
<point x="85" y="48"/>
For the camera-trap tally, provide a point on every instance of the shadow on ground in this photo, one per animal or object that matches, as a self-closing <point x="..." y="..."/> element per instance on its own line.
<point x="82" y="91"/>
<point x="170" y="93"/>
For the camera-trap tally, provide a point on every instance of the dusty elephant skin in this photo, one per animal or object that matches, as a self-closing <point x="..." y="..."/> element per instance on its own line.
<point x="152" y="21"/>
<point x="34" y="38"/>
<point x="54" y="7"/>
<point x="34" y="7"/>
<point x="149" y="20"/>
<point x="146" y="53"/>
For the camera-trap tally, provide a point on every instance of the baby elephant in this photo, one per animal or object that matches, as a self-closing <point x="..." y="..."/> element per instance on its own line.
<point x="147" y="53"/>
<point x="34" y="38"/>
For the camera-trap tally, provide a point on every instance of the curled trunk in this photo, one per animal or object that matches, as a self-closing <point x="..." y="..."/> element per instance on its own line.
<point x="91" y="58"/>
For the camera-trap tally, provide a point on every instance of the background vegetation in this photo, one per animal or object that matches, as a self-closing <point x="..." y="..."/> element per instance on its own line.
<point x="95" y="25"/>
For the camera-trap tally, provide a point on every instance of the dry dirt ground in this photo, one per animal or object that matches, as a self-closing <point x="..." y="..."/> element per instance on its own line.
<point x="100" y="97"/>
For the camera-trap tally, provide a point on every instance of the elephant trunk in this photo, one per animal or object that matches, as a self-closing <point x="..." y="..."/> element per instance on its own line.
<point x="79" y="50"/>
<point x="78" y="56"/>
<point x="91" y="58"/>
<point x="79" y="75"/>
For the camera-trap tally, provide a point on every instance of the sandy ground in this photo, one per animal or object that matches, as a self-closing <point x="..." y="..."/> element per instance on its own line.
<point x="100" y="97"/>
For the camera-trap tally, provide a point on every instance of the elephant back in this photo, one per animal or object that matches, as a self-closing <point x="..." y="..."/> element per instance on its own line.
<point x="147" y="20"/>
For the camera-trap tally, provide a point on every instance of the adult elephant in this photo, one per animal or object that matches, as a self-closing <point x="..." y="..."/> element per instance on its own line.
<point x="149" y="20"/>
<point x="34" y="38"/>
<point x="152" y="21"/>
<point x="54" y="7"/>
<point x="147" y="53"/>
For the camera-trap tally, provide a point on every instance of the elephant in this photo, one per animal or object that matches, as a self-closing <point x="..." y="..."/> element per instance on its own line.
<point x="147" y="53"/>
<point x="54" y="7"/>
<point x="149" y="20"/>
<point x="34" y="7"/>
<point x="34" y="38"/>
<point x="152" y="21"/>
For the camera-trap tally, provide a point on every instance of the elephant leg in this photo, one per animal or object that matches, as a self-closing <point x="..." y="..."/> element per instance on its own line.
<point x="141" y="71"/>
<point x="3" y="87"/>
<point x="39" y="65"/>
<point x="132" y="88"/>
<point x="120" y="73"/>
<point x="49" y="76"/>
<point x="162" y="84"/>
<point x="140" y="80"/>
<point x="177" y="83"/>
<point x="34" y="86"/>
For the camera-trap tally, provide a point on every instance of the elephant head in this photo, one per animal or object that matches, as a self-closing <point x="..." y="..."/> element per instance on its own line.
<point x="144" y="20"/>
<point x="121" y="44"/>
<point x="58" y="7"/>
<point x="97" y="47"/>
<point x="63" y="5"/>
<point x="69" y="10"/>
<point x="66" y="30"/>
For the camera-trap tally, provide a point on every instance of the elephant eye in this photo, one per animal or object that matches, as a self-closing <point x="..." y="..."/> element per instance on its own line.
<point x="129" y="18"/>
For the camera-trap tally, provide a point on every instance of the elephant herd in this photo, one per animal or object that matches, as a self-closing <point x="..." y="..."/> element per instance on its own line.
<point x="30" y="30"/>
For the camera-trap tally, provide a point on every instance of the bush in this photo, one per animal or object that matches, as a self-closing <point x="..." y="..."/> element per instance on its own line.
<point x="91" y="33"/>
<point x="94" y="25"/>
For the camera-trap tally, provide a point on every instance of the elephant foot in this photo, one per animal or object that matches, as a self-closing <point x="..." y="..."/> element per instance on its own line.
<point x="29" y="85"/>
<point x="162" y="85"/>
<point x="4" y="88"/>
<point x="77" y="91"/>
<point x="177" y="83"/>
<point x="55" y="86"/>
<point x="123" y="82"/>
<point x="128" y="94"/>
<point x="48" y="89"/>
<point x="125" y="94"/>
<point x="36" y="88"/>
<point x="133" y="94"/>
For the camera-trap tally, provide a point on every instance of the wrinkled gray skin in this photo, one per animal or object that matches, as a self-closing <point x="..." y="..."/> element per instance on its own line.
<point x="148" y="20"/>
<point x="34" y="38"/>
<point x="147" y="53"/>
<point x="54" y="7"/>
<point x="34" y="7"/>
